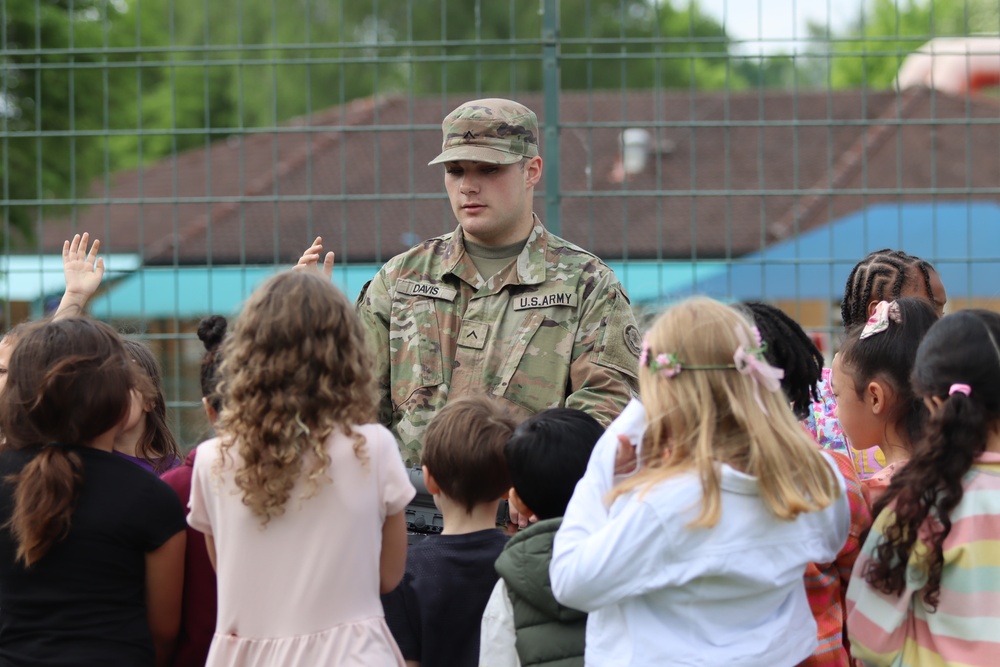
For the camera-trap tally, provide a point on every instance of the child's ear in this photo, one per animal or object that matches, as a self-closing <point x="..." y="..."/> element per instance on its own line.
<point x="518" y="504"/>
<point x="870" y="310"/>
<point x="877" y="396"/>
<point x="210" y="412"/>
<point x="430" y="482"/>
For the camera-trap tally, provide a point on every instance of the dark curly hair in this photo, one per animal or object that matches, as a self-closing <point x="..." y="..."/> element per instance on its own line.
<point x="959" y="349"/>
<point x="790" y="349"/>
<point x="211" y="331"/>
<point x="871" y="277"/>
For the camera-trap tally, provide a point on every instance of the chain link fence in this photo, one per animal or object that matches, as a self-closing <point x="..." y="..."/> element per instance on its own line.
<point x="207" y="144"/>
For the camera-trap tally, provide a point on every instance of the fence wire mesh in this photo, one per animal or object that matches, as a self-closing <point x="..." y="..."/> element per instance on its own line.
<point x="747" y="150"/>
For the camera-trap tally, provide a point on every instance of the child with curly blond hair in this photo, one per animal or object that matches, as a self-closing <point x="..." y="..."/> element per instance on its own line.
<point x="302" y="496"/>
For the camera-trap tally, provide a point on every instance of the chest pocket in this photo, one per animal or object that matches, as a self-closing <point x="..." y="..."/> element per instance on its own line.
<point x="535" y="371"/>
<point x="415" y="349"/>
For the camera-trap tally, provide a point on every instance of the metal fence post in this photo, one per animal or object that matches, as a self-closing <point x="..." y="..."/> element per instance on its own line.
<point x="550" y="79"/>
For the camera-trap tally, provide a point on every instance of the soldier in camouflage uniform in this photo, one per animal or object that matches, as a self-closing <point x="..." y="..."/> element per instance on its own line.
<point x="500" y="305"/>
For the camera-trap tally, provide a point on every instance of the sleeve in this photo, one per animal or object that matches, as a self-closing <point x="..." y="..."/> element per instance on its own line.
<point x="878" y="622"/>
<point x="395" y="487"/>
<point x="599" y="559"/>
<point x="201" y="494"/>
<point x="374" y="306"/>
<point x="826" y="428"/>
<point x="159" y="515"/>
<point x="402" y="615"/>
<point x="628" y="556"/>
<point x="179" y="479"/>
<point x="837" y="516"/>
<point x="605" y="353"/>
<point x="497" y="637"/>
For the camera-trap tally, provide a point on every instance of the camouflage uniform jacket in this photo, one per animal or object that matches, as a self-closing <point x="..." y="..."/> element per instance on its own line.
<point x="553" y="329"/>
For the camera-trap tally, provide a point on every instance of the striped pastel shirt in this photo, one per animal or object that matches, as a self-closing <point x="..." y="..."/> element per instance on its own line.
<point x="965" y="630"/>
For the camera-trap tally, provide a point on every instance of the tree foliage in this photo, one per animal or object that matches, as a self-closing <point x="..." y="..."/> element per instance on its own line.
<point x="67" y="78"/>
<point x="94" y="86"/>
<point x="870" y="52"/>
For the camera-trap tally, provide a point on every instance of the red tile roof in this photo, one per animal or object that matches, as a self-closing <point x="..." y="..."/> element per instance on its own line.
<point x="736" y="171"/>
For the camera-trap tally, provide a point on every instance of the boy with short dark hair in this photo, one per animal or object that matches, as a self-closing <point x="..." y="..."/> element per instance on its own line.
<point x="434" y="613"/>
<point x="523" y="624"/>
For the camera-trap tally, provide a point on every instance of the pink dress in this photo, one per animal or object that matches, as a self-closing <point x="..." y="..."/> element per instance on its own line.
<point x="305" y="589"/>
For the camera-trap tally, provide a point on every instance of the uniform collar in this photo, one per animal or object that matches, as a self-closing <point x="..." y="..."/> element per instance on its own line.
<point x="530" y="263"/>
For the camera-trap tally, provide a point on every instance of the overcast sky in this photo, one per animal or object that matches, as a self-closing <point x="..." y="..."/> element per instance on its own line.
<point x="778" y="19"/>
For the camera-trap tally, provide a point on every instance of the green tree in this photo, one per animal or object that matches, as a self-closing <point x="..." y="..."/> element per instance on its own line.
<point x="603" y="44"/>
<point x="251" y="64"/>
<point x="62" y="89"/>
<point x="870" y="52"/>
<point x="94" y="86"/>
<point x="259" y="63"/>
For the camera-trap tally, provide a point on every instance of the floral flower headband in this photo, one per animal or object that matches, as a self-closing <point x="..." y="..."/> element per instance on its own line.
<point x="748" y="360"/>
<point x="884" y="313"/>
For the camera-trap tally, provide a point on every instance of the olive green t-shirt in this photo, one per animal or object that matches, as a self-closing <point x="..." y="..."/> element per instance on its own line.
<point x="490" y="261"/>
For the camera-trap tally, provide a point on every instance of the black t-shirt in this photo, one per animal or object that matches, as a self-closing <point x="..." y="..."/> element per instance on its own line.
<point x="435" y="613"/>
<point x="83" y="602"/>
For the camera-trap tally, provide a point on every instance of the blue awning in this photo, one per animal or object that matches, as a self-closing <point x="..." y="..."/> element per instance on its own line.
<point x="30" y="278"/>
<point x="961" y="239"/>
<point x="192" y="292"/>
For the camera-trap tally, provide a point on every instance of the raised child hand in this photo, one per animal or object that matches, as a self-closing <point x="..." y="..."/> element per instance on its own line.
<point x="310" y="258"/>
<point x="83" y="271"/>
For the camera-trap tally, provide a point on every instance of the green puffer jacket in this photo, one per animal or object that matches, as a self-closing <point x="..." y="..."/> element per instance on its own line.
<point x="548" y="634"/>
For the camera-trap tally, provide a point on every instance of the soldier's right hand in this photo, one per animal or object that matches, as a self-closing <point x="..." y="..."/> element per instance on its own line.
<point x="310" y="258"/>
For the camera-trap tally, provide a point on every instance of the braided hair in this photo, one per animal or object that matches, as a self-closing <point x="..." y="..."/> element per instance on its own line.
<point x="871" y="277"/>
<point x="790" y="349"/>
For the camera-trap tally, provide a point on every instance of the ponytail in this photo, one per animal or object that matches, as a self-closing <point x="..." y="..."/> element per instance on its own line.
<point x="68" y="383"/>
<point x="958" y="367"/>
<point x="46" y="492"/>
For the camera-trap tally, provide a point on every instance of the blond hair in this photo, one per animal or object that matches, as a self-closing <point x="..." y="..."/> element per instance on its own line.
<point x="698" y="419"/>
<point x="294" y="369"/>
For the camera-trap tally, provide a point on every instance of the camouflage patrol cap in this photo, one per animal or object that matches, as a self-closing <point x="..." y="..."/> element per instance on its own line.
<point x="492" y="130"/>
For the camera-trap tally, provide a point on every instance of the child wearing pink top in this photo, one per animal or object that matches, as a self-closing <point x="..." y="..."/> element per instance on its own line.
<point x="301" y="497"/>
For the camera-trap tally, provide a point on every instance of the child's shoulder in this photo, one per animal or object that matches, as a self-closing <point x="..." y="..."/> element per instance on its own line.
<point x="379" y="441"/>
<point x="375" y="432"/>
<point x="668" y="492"/>
<point x="485" y="545"/>
<point x="206" y="452"/>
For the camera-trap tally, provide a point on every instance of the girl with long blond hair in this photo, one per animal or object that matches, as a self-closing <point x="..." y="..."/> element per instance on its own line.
<point x="688" y="537"/>
<point x="301" y="496"/>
